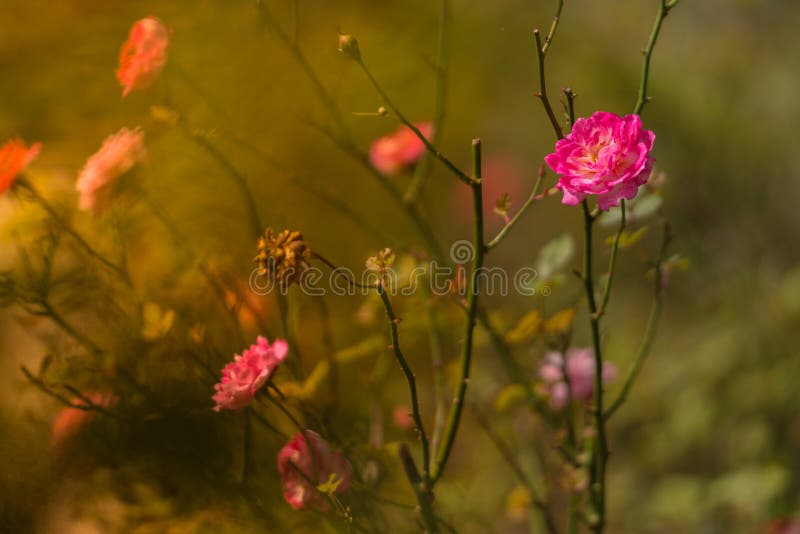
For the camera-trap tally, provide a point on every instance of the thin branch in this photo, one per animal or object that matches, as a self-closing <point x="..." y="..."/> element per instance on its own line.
<point x="534" y="196"/>
<point x="432" y="149"/>
<point x="440" y="90"/>
<point x="420" y="487"/>
<point x="556" y="19"/>
<point x="597" y="464"/>
<point x="412" y="383"/>
<point x="542" y="94"/>
<point x="85" y="405"/>
<point x="454" y="419"/>
<point x="663" y="11"/>
<point x="612" y="263"/>
<point x="650" y="331"/>
<point x="69" y="230"/>
<point x="239" y="179"/>
<point x="512" y="462"/>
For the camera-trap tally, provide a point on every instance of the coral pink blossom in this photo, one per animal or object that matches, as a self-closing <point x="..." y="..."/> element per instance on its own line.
<point x="400" y="149"/>
<point x="605" y="155"/>
<point x="245" y="375"/>
<point x="69" y="422"/>
<point x="298" y="463"/>
<point x="143" y="55"/>
<point x="14" y="157"/>
<point x="580" y="368"/>
<point x="119" y="153"/>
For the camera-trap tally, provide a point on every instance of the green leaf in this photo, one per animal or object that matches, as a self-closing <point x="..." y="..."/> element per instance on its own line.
<point x="554" y="256"/>
<point x="331" y="485"/>
<point x="646" y="207"/>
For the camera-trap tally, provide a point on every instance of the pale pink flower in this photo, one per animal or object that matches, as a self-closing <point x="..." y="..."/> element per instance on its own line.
<point x="580" y="369"/>
<point x="605" y="155"/>
<point x="247" y="373"/>
<point x="400" y="149"/>
<point x="119" y="153"/>
<point x="298" y="463"/>
<point x="69" y="422"/>
<point x="143" y="55"/>
<point x="14" y="157"/>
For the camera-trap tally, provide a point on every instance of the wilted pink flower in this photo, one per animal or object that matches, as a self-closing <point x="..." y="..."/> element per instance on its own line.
<point x="243" y="377"/>
<point x="580" y="371"/>
<point x="297" y="464"/>
<point x="71" y="421"/>
<point x="14" y="157"/>
<point x="605" y="155"/>
<point x="143" y="55"/>
<point x="399" y="149"/>
<point x="119" y="153"/>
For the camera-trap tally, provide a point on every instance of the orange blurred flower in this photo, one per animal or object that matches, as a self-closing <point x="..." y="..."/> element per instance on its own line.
<point x="143" y="55"/>
<point x="14" y="157"/>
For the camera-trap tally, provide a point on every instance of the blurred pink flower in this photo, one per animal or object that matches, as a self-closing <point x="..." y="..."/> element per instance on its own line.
<point x="402" y="419"/>
<point x="297" y="464"/>
<point x="69" y="422"/>
<point x="400" y="149"/>
<point x="783" y="526"/>
<point x="580" y="371"/>
<point x="143" y="55"/>
<point x="605" y="155"/>
<point x="14" y="157"/>
<point x="502" y="173"/>
<point x="119" y="153"/>
<point x="245" y="375"/>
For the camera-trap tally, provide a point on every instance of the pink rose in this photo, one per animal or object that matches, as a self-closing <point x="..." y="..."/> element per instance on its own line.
<point x="246" y="374"/>
<point x="14" y="157"/>
<point x="143" y="55"/>
<point x="400" y="149"/>
<point x="605" y="155"/>
<point x="118" y="155"/>
<point x="580" y="369"/>
<point x="297" y="464"/>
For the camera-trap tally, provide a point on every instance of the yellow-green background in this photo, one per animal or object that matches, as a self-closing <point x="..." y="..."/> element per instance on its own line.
<point x="709" y="438"/>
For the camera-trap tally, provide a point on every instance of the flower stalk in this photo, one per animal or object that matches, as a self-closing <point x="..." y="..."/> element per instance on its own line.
<point x="454" y="419"/>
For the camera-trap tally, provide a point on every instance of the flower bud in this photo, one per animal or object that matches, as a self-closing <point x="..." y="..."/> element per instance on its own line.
<point x="348" y="45"/>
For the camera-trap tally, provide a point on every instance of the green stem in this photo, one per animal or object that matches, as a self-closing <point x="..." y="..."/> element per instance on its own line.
<point x="663" y="11"/>
<point x="534" y="196"/>
<point x="542" y="94"/>
<point x="420" y="487"/>
<point x="556" y="19"/>
<point x="288" y="333"/>
<point x="454" y="419"/>
<point x="69" y="230"/>
<point x="612" y="262"/>
<point x="437" y="361"/>
<point x="519" y="472"/>
<point x="650" y="331"/>
<point x="423" y="169"/>
<point x="294" y="48"/>
<point x="432" y="149"/>
<point x="238" y="178"/>
<point x="412" y="384"/>
<point x="80" y="337"/>
<point x="597" y="465"/>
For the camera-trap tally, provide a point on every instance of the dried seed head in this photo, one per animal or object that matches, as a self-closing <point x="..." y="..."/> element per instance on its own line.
<point x="283" y="257"/>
